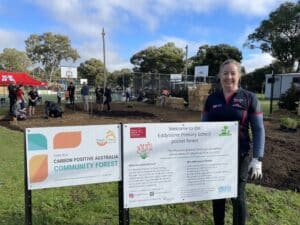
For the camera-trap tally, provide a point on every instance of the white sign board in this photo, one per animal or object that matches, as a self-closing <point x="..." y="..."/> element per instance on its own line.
<point x="175" y="77"/>
<point x="66" y="156"/>
<point x="170" y="163"/>
<point x="201" y="71"/>
<point x="68" y="72"/>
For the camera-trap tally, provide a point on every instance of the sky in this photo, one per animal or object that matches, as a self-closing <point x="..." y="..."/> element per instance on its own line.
<point x="133" y="25"/>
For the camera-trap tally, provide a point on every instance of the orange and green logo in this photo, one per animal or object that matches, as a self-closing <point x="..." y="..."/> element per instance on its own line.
<point x="110" y="137"/>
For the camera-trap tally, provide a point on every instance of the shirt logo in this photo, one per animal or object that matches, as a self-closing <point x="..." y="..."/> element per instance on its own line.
<point x="238" y="100"/>
<point x="216" y="106"/>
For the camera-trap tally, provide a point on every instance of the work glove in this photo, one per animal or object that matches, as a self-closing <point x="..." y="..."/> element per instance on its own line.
<point x="255" y="169"/>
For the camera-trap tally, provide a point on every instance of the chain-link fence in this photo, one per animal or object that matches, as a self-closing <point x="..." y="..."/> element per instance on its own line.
<point x="149" y="85"/>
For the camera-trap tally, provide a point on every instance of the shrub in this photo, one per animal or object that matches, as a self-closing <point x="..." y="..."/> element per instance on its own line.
<point x="289" y="98"/>
<point x="288" y="122"/>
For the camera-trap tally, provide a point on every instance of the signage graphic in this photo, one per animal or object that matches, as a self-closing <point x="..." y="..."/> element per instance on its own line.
<point x="66" y="156"/>
<point x="179" y="162"/>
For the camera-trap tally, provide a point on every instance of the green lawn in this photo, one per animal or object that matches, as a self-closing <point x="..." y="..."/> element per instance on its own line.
<point x="265" y="104"/>
<point x="98" y="203"/>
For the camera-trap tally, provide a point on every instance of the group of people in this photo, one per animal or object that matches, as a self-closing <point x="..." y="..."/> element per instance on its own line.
<point x="103" y="96"/>
<point x="17" y="101"/>
<point x="230" y="103"/>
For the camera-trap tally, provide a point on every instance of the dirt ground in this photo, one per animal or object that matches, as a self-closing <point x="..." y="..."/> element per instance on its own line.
<point x="281" y="165"/>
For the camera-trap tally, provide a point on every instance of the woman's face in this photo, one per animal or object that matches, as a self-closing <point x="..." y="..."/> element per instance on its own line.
<point x="230" y="77"/>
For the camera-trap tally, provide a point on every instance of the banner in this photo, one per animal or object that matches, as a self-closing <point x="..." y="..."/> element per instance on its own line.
<point x="170" y="163"/>
<point x="66" y="156"/>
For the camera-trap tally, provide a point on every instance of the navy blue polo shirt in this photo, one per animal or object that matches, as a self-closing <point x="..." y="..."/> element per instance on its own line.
<point x="33" y="94"/>
<point x="244" y="107"/>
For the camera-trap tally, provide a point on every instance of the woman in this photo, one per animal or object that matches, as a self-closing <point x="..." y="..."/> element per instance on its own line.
<point x="107" y="95"/>
<point x="20" y="96"/>
<point x="236" y="104"/>
<point x="33" y="97"/>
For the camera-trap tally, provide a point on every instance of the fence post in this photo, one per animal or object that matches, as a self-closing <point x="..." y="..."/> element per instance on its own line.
<point x="272" y="92"/>
<point x="27" y="193"/>
<point x="123" y="212"/>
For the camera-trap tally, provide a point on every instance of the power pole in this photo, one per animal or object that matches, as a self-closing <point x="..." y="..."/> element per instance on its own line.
<point x="272" y="93"/>
<point x="104" y="61"/>
<point x="186" y="64"/>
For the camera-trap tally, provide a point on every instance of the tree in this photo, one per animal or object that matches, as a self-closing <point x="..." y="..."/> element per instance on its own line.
<point x="214" y="56"/>
<point x="279" y="35"/>
<point x="14" y="60"/>
<point x="123" y="77"/>
<point x="255" y="80"/>
<point x="49" y="50"/>
<point x="93" y="70"/>
<point x="166" y="59"/>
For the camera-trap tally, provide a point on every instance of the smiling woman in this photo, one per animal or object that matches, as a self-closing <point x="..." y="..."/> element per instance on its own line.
<point x="233" y="103"/>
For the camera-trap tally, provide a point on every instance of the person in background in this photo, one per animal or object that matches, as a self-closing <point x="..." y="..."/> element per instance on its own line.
<point x="128" y="94"/>
<point x="59" y="93"/>
<point x="85" y="96"/>
<point x="17" y="112"/>
<point x="141" y="95"/>
<point x="20" y="96"/>
<point x="71" y="91"/>
<point x="107" y="95"/>
<point x="99" y="97"/>
<point x="164" y="95"/>
<point x="33" y="97"/>
<point x="233" y="103"/>
<point x="52" y="109"/>
<point x="12" y="95"/>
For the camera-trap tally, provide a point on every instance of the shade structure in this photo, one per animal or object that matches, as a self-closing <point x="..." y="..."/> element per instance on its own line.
<point x="20" y="78"/>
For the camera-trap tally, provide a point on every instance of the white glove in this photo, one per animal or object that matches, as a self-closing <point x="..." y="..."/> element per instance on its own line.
<point x="255" y="169"/>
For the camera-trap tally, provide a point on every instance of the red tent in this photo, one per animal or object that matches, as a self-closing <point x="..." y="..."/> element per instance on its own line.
<point x="19" y="78"/>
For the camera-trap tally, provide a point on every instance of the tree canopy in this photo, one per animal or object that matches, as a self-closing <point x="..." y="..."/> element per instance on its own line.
<point x="165" y="59"/>
<point x="214" y="56"/>
<point x="49" y="50"/>
<point x="122" y="77"/>
<point x="93" y="70"/>
<point x="279" y="35"/>
<point x="14" y="60"/>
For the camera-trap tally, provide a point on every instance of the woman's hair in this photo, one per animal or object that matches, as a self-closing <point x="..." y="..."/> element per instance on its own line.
<point x="228" y="61"/>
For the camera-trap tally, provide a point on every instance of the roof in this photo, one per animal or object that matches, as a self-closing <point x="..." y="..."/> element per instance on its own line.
<point x="20" y="78"/>
<point x="285" y="74"/>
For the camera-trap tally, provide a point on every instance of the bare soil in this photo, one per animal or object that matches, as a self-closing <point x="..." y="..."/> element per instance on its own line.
<point x="281" y="165"/>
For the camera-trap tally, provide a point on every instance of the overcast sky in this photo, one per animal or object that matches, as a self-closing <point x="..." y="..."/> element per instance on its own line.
<point x="133" y="25"/>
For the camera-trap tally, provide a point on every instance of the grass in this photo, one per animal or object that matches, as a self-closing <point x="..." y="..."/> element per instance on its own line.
<point x="265" y="104"/>
<point x="98" y="203"/>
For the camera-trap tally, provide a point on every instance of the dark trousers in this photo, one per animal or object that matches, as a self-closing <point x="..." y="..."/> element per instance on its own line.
<point x="72" y="98"/>
<point x="108" y="105"/>
<point x="239" y="203"/>
<point x="58" y="100"/>
<point x="12" y="101"/>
